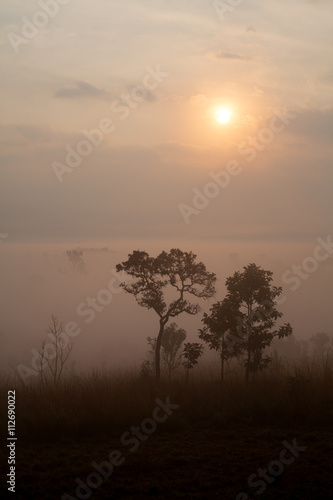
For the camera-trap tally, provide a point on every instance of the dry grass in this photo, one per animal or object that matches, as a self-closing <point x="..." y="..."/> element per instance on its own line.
<point x="107" y="402"/>
<point x="207" y="449"/>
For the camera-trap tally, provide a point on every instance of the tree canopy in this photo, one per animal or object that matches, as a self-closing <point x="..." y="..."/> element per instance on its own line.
<point x="218" y="326"/>
<point x="164" y="283"/>
<point x="253" y="294"/>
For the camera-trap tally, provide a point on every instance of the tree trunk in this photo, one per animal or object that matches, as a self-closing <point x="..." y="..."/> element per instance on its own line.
<point x="248" y="365"/>
<point x="158" y="353"/>
<point x="222" y="367"/>
<point x="249" y="339"/>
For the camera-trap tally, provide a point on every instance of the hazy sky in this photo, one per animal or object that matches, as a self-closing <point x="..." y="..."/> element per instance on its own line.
<point x="263" y="56"/>
<point x="152" y="74"/>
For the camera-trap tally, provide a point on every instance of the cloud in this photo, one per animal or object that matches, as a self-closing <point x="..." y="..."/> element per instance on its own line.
<point x="80" y="89"/>
<point x="313" y="124"/>
<point x="36" y="133"/>
<point x="318" y="2"/>
<point x="232" y="56"/>
<point x="150" y="96"/>
<point x="327" y="78"/>
<point x="147" y="94"/>
<point x="18" y="139"/>
<point x="83" y="89"/>
<point x="136" y="191"/>
<point x="199" y="99"/>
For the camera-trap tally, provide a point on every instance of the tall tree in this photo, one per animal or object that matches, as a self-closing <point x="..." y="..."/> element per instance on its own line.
<point x="191" y="354"/>
<point x="172" y="340"/>
<point x="253" y="294"/>
<point x="163" y="284"/>
<point x="220" y="323"/>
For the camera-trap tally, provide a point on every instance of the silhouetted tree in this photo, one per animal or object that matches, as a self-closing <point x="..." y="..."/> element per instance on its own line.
<point x="152" y="343"/>
<point x="60" y="353"/>
<point x="156" y="279"/>
<point x="146" y="369"/>
<point x="172" y="340"/>
<point x="254" y="296"/>
<point x="322" y="343"/>
<point x="76" y="260"/>
<point x="191" y="354"/>
<point x="220" y="323"/>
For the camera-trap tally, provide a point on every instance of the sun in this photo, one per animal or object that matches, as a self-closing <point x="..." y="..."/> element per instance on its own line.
<point x="223" y="116"/>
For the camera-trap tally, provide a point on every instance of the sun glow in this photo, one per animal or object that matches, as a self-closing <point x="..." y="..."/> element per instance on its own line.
<point x="223" y="116"/>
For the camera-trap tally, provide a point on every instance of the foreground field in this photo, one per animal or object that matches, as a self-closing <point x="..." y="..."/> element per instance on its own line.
<point x="195" y="463"/>
<point x="196" y="441"/>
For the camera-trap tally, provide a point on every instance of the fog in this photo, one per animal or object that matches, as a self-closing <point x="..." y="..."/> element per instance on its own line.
<point x="37" y="281"/>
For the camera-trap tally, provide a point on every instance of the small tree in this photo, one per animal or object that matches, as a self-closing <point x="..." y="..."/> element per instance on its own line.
<point x="174" y="274"/>
<point x="146" y="369"/>
<point x="172" y="341"/>
<point x="60" y="354"/>
<point x="76" y="260"/>
<point x="191" y="354"/>
<point x="152" y="343"/>
<point x="254" y="296"/>
<point x="221" y="322"/>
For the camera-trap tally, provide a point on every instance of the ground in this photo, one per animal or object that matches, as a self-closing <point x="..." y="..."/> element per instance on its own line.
<point x="186" y="463"/>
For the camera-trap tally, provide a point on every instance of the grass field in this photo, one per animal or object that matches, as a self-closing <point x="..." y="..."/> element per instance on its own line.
<point x="206" y="445"/>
